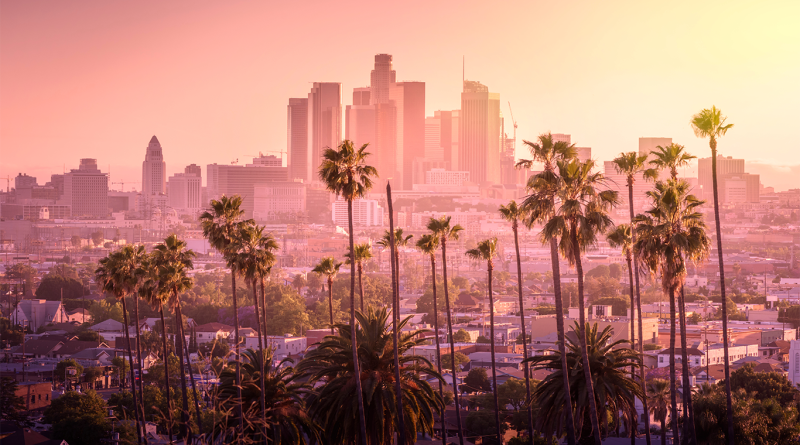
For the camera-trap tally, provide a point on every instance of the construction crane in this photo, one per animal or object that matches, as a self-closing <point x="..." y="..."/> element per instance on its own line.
<point x="123" y="183"/>
<point x="515" y="125"/>
<point x="8" y="183"/>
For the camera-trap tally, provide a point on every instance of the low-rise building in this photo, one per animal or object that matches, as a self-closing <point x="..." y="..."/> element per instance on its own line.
<point x="209" y="332"/>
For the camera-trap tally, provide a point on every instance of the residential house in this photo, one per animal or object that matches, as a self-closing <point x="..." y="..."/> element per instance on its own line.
<point x="209" y="332"/>
<point x="37" y="313"/>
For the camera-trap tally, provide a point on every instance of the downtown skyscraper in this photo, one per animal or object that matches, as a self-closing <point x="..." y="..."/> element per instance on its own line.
<point x="154" y="170"/>
<point x="479" y="142"/>
<point x="324" y="122"/>
<point x="297" y="138"/>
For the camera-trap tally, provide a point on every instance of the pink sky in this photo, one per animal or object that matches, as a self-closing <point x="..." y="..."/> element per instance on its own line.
<point x="212" y="79"/>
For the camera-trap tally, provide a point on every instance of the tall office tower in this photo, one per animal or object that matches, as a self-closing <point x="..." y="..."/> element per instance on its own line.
<point x="23" y="181"/>
<point x="479" y="148"/>
<point x="408" y="99"/>
<point x="584" y="153"/>
<point x="184" y="192"/>
<point x="241" y="180"/>
<point x="194" y="169"/>
<point x="433" y="139"/>
<point x="648" y="146"/>
<point x="86" y="190"/>
<point x="381" y="78"/>
<point x="560" y="137"/>
<point x="324" y="124"/>
<point x="154" y="170"/>
<point x="359" y="120"/>
<point x="725" y="166"/>
<point x="736" y="188"/>
<point x="297" y="138"/>
<point x="361" y="95"/>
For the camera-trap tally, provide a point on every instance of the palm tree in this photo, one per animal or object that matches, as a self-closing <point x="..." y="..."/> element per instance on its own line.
<point x="174" y="261"/>
<point x="428" y="244"/>
<point x="669" y="232"/>
<point x="582" y="214"/>
<point x="549" y="152"/>
<point x="277" y="404"/>
<point x="221" y="226"/>
<point x="441" y="228"/>
<point x="486" y="250"/>
<point x="400" y="240"/>
<point x="612" y="387"/>
<point x="119" y="274"/>
<point x="332" y="367"/>
<point x="658" y="394"/>
<point x="329" y="268"/>
<point x="514" y="214"/>
<point x="671" y="157"/>
<point x="710" y="123"/>
<point x="345" y="173"/>
<point x="630" y="164"/>
<point x="363" y="253"/>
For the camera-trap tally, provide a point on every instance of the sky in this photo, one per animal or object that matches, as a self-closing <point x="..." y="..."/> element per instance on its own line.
<point x="212" y="79"/>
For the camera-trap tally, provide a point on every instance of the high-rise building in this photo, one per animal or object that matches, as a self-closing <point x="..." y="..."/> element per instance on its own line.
<point x="279" y="198"/>
<point x="86" y="190"/>
<point x="359" y="120"/>
<point x="23" y="181"/>
<point x="361" y="96"/>
<point x="408" y="99"/>
<point x="194" y="169"/>
<point x="297" y="138"/>
<point x="433" y="139"/>
<point x="381" y="78"/>
<point x="324" y="123"/>
<point x="479" y="145"/>
<point x="584" y="153"/>
<point x="647" y="146"/>
<point x="736" y="188"/>
<point x="154" y="170"/>
<point x="184" y="192"/>
<point x="560" y="137"/>
<point x="366" y="212"/>
<point x="241" y="180"/>
<point x="725" y="166"/>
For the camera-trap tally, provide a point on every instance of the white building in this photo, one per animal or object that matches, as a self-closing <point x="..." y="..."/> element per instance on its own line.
<point x="184" y="192"/>
<point x="794" y="362"/>
<point x="37" y="313"/>
<point x="284" y="345"/>
<point x="440" y="176"/>
<point x="715" y="354"/>
<point x="366" y="212"/>
<point x="271" y="199"/>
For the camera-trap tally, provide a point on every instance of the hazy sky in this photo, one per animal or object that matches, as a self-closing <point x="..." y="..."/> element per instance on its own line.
<point x="212" y="79"/>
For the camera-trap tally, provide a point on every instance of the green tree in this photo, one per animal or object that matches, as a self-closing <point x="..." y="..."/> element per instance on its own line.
<point x="12" y="406"/>
<point x="481" y="423"/>
<point x="462" y="336"/>
<point x="61" y="370"/>
<point x="765" y="385"/>
<point x="425" y="303"/>
<point x="91" y="375"/>
<point x="710" y="123"/>
<point x="447" y="360"/>
<point x="477" y="379"/>
<point x="97" y="238"/>
<point x="442" y="229"/>
<point x="329" y="268"/>
<point x="121" y="369"/>
<point x="331" y="366"/>
<point x="88" y="335"/>
<point x="615" y="271"/>
<point x="78" y="418"/>
<point x="658" y="399"/>
<point x="540" y="188"/>
<point x="619" y="306"/>
<point x="599" y="271"/>
<point x="24" y="272"/>
<point x="514" y="392"/>
<point x="52" y="285"/>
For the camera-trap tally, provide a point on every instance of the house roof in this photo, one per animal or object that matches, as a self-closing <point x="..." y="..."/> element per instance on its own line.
<point x="38" y="347"/>
<point x="679" y="351"/>
<point x="76" y="346"/>
<point x="783" y="344"/>
<point x="108" y="325"/>
<point x="22" y="437"/>
<point x="92" y="353"/>
<point x="214" y="327"/>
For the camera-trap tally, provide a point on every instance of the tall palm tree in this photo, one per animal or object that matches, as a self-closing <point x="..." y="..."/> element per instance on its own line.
<point x="428" y="244"/>
<point x="486" y="250"/>
<point x="332" y="367"/>
<point x="221" y="226"/>
<point x="582" y="214"/>
<point x="284" y="413"/>
<point x="174" y="261"/>
<point x="441" y="228"/>
<point x="400" y="240"/>
<point x="119" y="274"/>
<point x="666" y="235"/>
<point x="345" y="173"/>
<point x="658" y="394"/>
<point x="710" y="123"/>
<point x="363" y="253"/>
<point x="630" y="165"/>
<point x="514" y="214"/>
<point x="612" y="387"/>
<point x="548" y="152"/>
<point x="670" y="158"/>
<point x="329" y="268"/>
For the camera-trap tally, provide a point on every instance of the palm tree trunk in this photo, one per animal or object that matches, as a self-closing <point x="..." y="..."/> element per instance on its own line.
<point x="330" y="300"/>
<point x="139" y="423"/>
<point x="361" y="285"/>
<point x="139" y="359"/>
<point x="452" y="343"/>
<point x="688" y="424"/>
<point x="185" y="431"/>
<point x="261" y="350"/>
<point x="587" y="372"/>
<point x="166" y="375"/>
<point x="632" y="426"/>
<point x="524" y="333"/>
<point x="191" y="376"/>
<point x="397" y="285"/>
<point x="672" y="385"/>
<point x="401" y="429"/>
<point x="263" y="361"/>
<point x="664" y="430"/>
<point x="569" y="417"/>
<point x="438" y="348"/>
<point x="362" y="423"/>
<point x="239" y="411"/>
<point x="494" y="367"/>
<point x="729" y="400"/>
<point x="645" y="409"/>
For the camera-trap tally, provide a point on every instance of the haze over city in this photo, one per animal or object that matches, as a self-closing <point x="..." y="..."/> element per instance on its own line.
<point x="97" y="79"/>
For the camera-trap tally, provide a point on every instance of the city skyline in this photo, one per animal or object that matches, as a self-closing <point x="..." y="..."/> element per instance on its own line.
<point x="199" y="98"/>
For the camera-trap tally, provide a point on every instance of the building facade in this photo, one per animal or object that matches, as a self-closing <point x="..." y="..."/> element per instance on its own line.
<point x="324" y="123"/>
<point x="479" y="142"/>
<point x="366" y="212"/>
<point x="230" y="180"/>
<point x="86" y="190"/>
<point x="184" y="192"/>
<point x="154" y="170"/>
<point x="297" y="138"/>
<point x="278" y="198"/>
